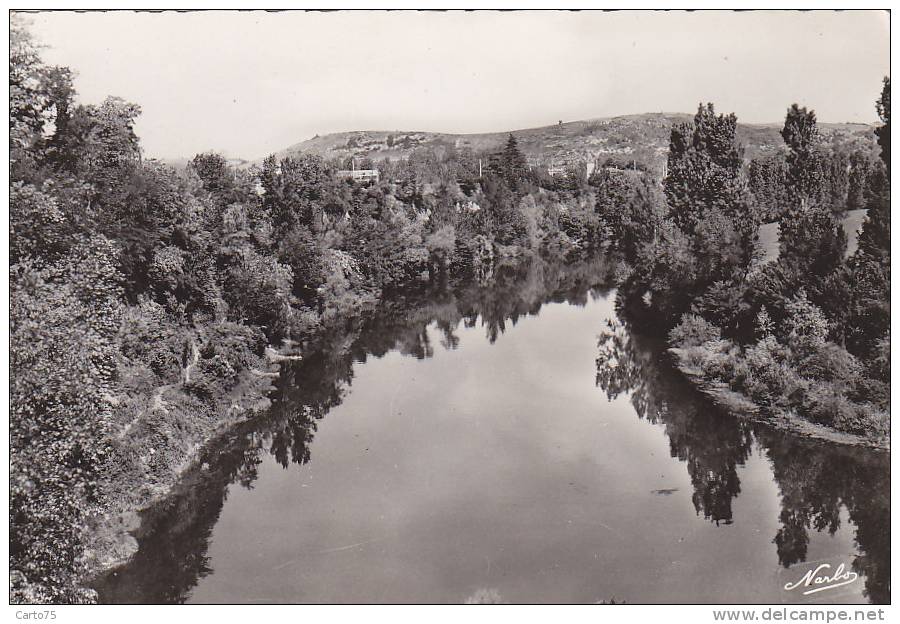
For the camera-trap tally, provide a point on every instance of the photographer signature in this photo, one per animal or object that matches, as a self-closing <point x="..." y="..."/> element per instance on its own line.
<point x="821" y="579"/>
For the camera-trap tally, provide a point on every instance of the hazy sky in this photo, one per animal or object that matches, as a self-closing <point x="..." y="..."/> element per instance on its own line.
<point x="251" y="83"/>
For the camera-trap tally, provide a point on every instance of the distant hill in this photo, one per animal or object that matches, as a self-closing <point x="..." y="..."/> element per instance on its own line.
<point x="181" y="163"/>
<point x="643" y="138"/>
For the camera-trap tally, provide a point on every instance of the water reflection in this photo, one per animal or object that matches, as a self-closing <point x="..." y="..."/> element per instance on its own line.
<point x="174" y="536"/>
<point x="821" y="485"/>
<point x="815" y="485"/>
<point x="711" y="446"/>
<point x="816" y="480"/>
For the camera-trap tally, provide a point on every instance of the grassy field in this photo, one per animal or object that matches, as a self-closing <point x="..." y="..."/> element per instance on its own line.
<point x="768" y="235"/>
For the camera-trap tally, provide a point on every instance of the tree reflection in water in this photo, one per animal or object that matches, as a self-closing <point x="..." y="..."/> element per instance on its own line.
<point x="711" y="446"/>
<point x="815" y="479"/>
<point x="174" y="536"/>
<point x="815" y="486"/>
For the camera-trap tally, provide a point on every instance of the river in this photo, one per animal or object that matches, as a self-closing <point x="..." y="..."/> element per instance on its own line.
<point x="515" y="442"/>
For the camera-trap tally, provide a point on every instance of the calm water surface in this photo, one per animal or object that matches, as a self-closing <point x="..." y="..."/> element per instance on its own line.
<point x="512" y="438"/>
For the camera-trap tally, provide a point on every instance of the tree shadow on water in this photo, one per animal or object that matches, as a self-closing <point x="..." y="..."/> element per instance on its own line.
<point x="816" y="479"/>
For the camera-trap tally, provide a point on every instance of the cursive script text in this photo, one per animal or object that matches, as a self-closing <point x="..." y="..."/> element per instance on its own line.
<point x="820" y="579"/>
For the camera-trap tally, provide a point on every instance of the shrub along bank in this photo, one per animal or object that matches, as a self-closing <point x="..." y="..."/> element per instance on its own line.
<point x="806" y="334"/>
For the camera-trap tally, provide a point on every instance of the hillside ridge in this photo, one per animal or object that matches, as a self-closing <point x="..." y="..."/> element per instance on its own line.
<point x="641" y="137"/>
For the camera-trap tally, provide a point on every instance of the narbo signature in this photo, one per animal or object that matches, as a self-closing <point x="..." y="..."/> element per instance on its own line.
<point x="821" y="579"/>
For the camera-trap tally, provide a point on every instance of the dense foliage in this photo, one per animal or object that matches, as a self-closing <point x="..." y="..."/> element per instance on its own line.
<point x="714" y="450"/>
<point x="148" y="303"/>
<point x="808" y="332"/>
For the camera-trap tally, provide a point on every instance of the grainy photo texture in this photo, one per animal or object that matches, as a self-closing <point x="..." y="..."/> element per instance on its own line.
<point x="449" y="307"/>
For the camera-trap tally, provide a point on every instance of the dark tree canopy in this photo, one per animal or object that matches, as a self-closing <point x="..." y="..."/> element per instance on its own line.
<point x="704" y="170"/>
<point x="883" y="105"/>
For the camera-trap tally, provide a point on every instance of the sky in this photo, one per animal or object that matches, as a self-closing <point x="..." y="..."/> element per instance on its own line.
<point x="250" y="83"/>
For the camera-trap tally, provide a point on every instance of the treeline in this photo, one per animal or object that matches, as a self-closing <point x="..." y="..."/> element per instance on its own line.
<point x="847" y="177"/>
<point x="808" y="332"/>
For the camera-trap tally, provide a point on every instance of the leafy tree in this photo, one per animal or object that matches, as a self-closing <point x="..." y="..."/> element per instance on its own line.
<point x="300" y="250"/>
<point x="709" y="232"/>
<point x="63" y="322"/>
<point x="836" y="174"/>
<point x="883" y="105"/>
<point x="805" y="177"/>
<point x="104" y="143"/>
<point x="613" y="193"/>
<point x="767" y="182"/>
<point x="212" y="170"/>
<point x="875" y="238"/>
<point x="295" y="192"/>
<point x="466" y="170"/>
<point x="38" y="229"/>
<point x="704" y="171"/>
<point x="868" y="323"/>
<point x="501" y="201"/>
<point x="514" y="166"/>
<point x="805" y="328"/>
<point x="858" y="178"/>
<point x="812" y="242"/>
<point x="27" y="99"/>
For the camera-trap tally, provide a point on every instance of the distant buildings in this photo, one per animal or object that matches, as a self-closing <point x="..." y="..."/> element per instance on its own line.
<point x="563" y="169"/>
<point x="468" y="206"/>
<point x="557" y="170"/>
<point x="360" y="175"/>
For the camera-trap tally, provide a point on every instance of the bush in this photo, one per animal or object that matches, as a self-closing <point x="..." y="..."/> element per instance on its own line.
<point x="873" y="391"/>
<point x="152" y="338"/>
<point x="805" y="326"/>
<point x="763" y="373"/>
<point x="721" y="358"/>
<point x="228" y="349"/>
<point x="694" y="357"/>
<point x="862" y="419"/>
<point x="872" y="421"/>
<point x="824" y="406"/>
<point x="258" y="290"/>
<point x="834" y="364"/>
<point x="693" y="331"/>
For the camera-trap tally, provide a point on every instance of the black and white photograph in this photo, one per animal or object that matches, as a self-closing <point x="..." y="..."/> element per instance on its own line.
<point x="444" y="307"/>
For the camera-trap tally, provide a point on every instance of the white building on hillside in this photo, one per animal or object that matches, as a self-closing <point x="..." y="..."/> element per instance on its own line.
<point x="360" y="175"/>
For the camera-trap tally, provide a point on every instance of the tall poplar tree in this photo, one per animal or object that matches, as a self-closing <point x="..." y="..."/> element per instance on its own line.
<point x="812" y="242"/>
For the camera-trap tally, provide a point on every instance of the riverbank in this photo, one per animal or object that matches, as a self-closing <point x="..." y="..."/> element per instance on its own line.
<point x="187" y="439"/>
<point x="384" y="446"/>
<point x="192" y="424"/>
<point x="173" y="430"/>
<point x="741" y="405"/>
